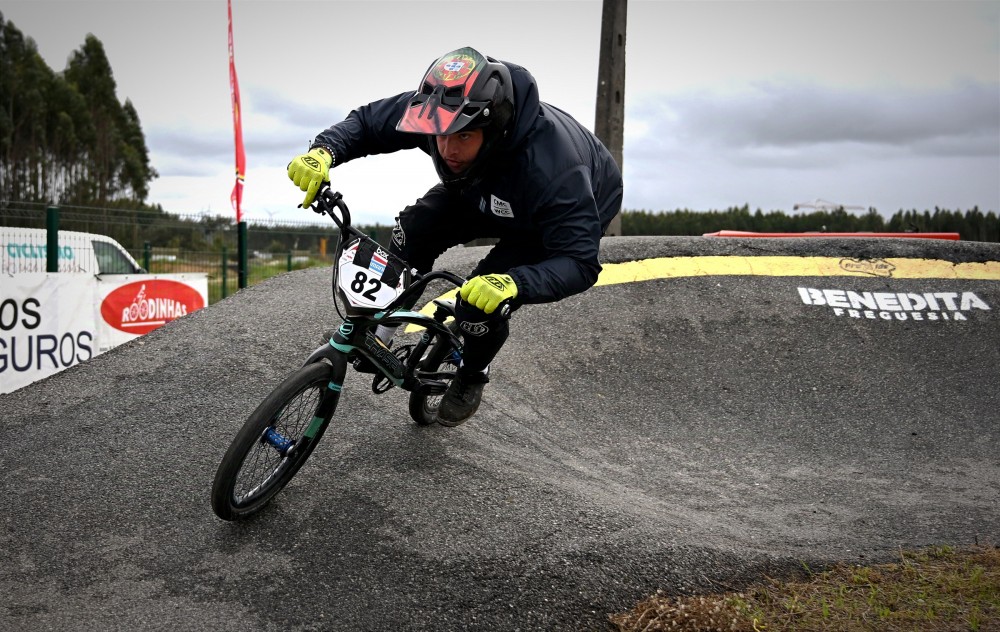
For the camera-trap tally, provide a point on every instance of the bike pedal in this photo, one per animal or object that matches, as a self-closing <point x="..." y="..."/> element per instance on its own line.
<point x="381" y="384"/>
<point x="402" y="352"/>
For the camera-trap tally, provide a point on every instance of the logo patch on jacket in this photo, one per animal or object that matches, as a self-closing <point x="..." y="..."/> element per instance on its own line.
<point x="398" y="236"/>
<point x="500" y="207"/>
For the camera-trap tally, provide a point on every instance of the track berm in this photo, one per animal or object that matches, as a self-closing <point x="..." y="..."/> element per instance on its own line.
<point x="724" y="410"/>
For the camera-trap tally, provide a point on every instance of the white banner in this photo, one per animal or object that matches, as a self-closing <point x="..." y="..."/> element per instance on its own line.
<point x="128" y="306"/>
<point x="47" y="324"/>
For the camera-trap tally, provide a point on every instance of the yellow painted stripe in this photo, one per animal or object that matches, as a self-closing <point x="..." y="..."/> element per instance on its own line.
<point x="677" y="267"/>
<point x="429" y="308"/>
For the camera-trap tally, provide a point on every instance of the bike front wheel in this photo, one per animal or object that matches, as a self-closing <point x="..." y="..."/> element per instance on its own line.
<point x="273" y="444"/>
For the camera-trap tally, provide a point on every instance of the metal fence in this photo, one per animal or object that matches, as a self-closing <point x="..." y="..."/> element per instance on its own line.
<point x="222" y="267"/>
<point x="163" y="243"/>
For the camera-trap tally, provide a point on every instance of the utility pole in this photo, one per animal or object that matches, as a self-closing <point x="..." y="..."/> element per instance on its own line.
<point x="609" y="123"/>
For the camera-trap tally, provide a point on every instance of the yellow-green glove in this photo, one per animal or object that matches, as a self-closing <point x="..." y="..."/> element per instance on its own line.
<point x="486" y="292"/>
<point x="309" y="171"/>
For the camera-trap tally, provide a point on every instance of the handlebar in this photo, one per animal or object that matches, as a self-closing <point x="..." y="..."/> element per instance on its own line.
<point x="328" y="201"/>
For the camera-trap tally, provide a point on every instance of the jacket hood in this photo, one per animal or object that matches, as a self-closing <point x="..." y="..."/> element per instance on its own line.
<point x="526" y="105"/>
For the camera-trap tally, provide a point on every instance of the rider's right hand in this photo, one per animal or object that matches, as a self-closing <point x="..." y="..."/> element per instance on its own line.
<point x="309" y="171"/>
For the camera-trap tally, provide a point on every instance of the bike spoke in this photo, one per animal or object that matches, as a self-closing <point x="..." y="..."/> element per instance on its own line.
<point x="276" y="446"/>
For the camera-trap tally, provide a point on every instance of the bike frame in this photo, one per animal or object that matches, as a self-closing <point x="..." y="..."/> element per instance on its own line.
<point x="422" y="368"/>
<point x="356" y="333"/>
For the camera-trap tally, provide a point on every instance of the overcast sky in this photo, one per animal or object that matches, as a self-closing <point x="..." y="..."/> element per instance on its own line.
<point x="875" y="103"/>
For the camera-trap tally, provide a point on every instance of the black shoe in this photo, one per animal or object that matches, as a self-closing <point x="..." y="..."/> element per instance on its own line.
<point x="462" y="398"/>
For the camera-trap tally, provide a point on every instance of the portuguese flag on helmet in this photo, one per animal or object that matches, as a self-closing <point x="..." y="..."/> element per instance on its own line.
<point x="462" y="90"/>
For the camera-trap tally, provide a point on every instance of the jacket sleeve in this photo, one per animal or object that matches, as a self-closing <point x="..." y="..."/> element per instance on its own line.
<point x="571" y="236"/>
<point x="370" y="129"/>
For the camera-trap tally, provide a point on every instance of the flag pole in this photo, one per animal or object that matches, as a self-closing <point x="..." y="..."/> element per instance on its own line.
<point x="237" y="195"/>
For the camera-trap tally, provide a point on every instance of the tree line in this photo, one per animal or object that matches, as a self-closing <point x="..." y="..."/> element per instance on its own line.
<point x="65" y="136"/>
<point x="972" y="225"/>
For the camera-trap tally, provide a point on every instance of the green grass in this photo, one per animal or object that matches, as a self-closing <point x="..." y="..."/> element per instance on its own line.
<point x="256" y="274"/>
<point x="934" y="589"/>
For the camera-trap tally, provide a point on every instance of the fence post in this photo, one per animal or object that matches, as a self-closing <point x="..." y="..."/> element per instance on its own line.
<point x="52" y="239"/>
<point x="225" y="270"/>
<point x="242" y="246"/>
<point x="147" y="249"/>
<point x="289" y="264"/>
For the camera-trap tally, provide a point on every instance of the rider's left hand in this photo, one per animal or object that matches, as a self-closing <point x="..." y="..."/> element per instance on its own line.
<point x="486" y="292"/>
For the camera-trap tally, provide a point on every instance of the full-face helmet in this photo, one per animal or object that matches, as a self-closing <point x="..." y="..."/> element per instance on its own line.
<point x="462" y="90"/>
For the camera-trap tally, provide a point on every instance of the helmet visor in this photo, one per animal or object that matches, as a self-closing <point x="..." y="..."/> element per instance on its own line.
<point x="442" y="105"/>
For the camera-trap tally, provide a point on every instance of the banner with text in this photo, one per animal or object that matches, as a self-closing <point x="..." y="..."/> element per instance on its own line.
<point x="46" y="325"/>
<point x="50" y="322"/>
<point x="128" y="306"/>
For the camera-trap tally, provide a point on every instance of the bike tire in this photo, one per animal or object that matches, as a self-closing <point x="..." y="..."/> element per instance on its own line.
<point x="258" y="464"/>
<point x="423" y="407"/>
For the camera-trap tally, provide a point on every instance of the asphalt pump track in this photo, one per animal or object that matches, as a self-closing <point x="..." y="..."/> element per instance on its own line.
<point x="714" y="411"/>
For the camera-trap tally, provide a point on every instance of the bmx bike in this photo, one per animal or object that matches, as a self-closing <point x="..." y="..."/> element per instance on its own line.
<point x="374" y="286"/>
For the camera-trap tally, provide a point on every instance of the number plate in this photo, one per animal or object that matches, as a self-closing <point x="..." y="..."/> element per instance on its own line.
<point x="363" y="286"/>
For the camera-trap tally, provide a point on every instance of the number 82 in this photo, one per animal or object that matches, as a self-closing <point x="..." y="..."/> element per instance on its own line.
<point x="358" y="285"/>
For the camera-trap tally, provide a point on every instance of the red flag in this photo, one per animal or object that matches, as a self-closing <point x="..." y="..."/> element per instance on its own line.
<point x="241" y="160"/>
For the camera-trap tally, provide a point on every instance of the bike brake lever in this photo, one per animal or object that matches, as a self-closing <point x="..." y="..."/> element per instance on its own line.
<point x="314" y="207"/>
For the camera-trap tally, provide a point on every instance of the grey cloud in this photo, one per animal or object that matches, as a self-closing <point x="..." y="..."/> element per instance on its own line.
<point x="292" y="124"/>
<point x="177" y="152"/>
<point x="780" y="144"/>
<point x="962" y="120"/>
<point x="175" y="167"/>
<point x="190" y="145"/>
<point x="312" y="115"/>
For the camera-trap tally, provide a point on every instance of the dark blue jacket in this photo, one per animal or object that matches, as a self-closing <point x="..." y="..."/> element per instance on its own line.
<point x="549" y="177"/>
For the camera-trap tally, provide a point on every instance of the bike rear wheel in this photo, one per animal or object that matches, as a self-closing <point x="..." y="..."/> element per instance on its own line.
<point x="441" y="357"/>
<point x="272" y="444"/>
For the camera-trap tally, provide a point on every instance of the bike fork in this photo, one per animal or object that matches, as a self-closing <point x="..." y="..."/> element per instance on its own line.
<point x="335" y="352"/>
<point x="331" y="396"/>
